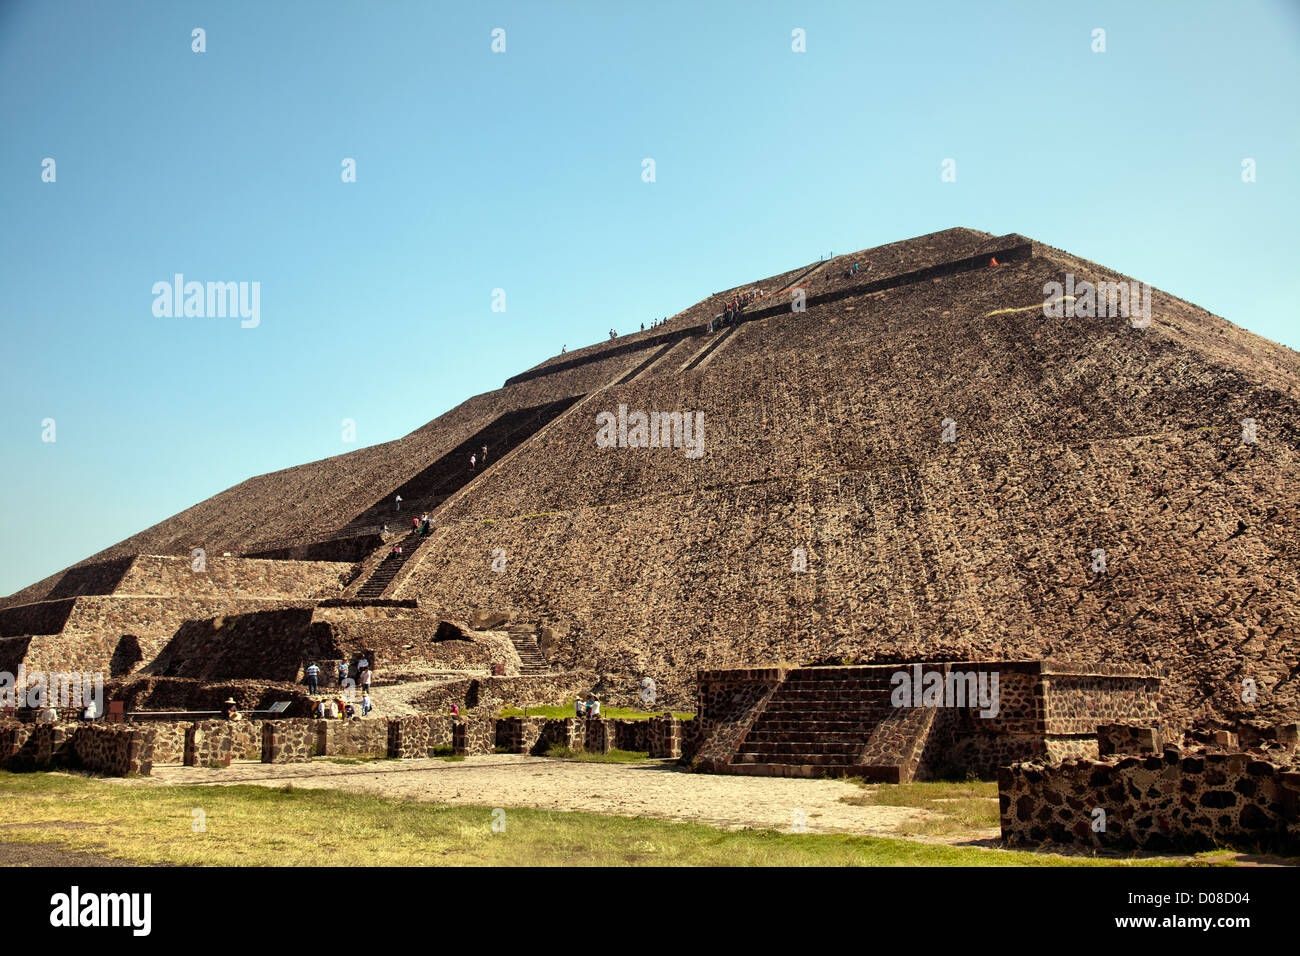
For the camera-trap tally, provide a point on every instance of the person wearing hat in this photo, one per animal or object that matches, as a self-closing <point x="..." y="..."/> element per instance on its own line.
<point x="230" y="710"/>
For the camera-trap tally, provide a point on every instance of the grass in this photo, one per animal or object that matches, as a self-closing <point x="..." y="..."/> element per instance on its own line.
<point x="950" y="807"/>
<point x="560" y="752"/>
<point x="261" y="826"/>
<point x="609" y="713"/>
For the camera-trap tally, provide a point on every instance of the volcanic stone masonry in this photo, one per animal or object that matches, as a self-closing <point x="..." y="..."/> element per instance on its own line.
<point x="1173" y="799"/>
<point x="1112" y="495"/>
<point x="851" y="721"/>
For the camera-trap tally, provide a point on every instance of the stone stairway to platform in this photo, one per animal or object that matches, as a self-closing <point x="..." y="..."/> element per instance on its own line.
<point x="383" y="575"/>
<point x="531" y="659"/>
<point x="823" y="722"/>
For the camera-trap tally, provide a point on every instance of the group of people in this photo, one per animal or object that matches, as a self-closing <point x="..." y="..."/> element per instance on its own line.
<point x="655" y="323"/>
<point x="339" y="707"/>
<point x="479" y="459"/>
<point x="733" y="308"/>
<point x="588" y="708"/>
<point x="423" y="525"/>
<point x="855" y="268"/>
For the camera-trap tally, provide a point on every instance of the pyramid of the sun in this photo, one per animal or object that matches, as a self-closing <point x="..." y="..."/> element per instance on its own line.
<point x="1098" y="497"/>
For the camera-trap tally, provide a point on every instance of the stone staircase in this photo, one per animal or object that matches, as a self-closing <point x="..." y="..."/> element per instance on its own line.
<point x="531" y="660"/>
<point x="823" y="722"/>
<point x="383" y="575"/>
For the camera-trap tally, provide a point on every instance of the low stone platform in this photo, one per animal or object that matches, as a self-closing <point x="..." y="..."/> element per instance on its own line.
<point x="898" y="722"/>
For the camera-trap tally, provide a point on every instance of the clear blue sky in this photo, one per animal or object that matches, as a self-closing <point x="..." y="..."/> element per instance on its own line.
<point x="522" y="171"/>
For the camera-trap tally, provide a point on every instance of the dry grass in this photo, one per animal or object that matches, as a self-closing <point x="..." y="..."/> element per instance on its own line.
<point x="260" y="826"/>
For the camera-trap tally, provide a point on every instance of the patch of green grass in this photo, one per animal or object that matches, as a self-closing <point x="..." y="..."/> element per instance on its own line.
<point x="359" y="758"/>
<point x="262" y="826"/>
<point x="950" y="807"/>
<point x="610" y="713"/>
<point x="560" y="752"/>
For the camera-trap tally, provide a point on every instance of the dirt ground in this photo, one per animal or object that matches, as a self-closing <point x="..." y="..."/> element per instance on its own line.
<point x="648" y="789"/>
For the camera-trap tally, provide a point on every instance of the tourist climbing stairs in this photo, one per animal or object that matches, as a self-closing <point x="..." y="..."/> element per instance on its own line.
<point x="822" y="722"/>
<point x="383" y="575"/>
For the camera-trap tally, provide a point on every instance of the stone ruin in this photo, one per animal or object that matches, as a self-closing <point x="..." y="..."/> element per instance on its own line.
<point x="923" y="465"/>
<point x="139" y="745"/>
<point x="1142" y="794"/>
<point x="852" y="721"/>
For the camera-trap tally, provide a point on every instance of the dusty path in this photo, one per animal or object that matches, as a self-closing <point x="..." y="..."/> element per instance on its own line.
<point x="649" y="789"/>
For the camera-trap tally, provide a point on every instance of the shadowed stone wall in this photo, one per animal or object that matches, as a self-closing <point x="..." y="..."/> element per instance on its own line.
<point x="1162" y="801"/>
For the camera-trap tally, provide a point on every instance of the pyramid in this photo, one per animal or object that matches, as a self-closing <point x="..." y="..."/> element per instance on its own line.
<point x="910" y="460"/>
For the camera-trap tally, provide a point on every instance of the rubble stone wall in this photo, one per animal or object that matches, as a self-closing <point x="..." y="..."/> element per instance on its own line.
<point x="1161" y="801"/>
<point x="288" y="741"/>
<point x="351" y="737"/>
<point x="215" y="743"/>
<point x="473" y="733"/>
<point x="234" y="577"/>
<point x="418" y="735"/>
<point x="113" y="750"/>
<point x="729" y="703"/>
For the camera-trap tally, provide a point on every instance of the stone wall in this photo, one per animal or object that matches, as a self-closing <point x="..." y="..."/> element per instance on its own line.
<point x="166" y="738"/>
<point x="351" y="549"/>
<point x="288" y="741"/>
<point x="215" y="743"/>
<point x="179" y="693"/>
<point x="545" y="690"/>
<point x="37" y="746"/>
<point x="119" y="634"/>
<point x="657" y="736"/>
<point x="351" y="737"/>
<point x="664" y="736"/>
<point x="418" y="735"/>
<point x="1170" y="800"/>
<point x="473" y="733"/>
<point x="113" y="750"/>
<point x="158" y="575"/>
<point x="1127" y="739"/>
<point x="521" y="735"/>
<point x="729" y="702"/>
<point x="263" y="645"/>
<point x="108" y="749"/>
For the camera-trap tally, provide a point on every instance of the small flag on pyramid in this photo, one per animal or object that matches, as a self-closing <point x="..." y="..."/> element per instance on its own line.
<point x="993" y="261"/>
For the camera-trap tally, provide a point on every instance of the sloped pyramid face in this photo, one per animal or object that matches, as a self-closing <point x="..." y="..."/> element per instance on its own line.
<point x="918" y="465"/>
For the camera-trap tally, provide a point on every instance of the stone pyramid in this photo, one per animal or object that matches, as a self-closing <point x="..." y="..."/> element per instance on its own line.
<point x="911" y="460"/>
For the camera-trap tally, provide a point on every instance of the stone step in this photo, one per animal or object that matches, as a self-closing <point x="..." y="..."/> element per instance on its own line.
<point x="837" y="693"/>
<point x="812" y="759"/>
<point x="814" y="726"/>
<point x="882" y="680"/>
<point x="873" y="680"/>
<point x="806" y="735"/>
<point x="782" y="749"/>
<point x="882" y="774"/>
<point x="853" y="707"/>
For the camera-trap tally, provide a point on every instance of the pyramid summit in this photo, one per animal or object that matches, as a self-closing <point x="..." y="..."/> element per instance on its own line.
<point x="954" y="447"/>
